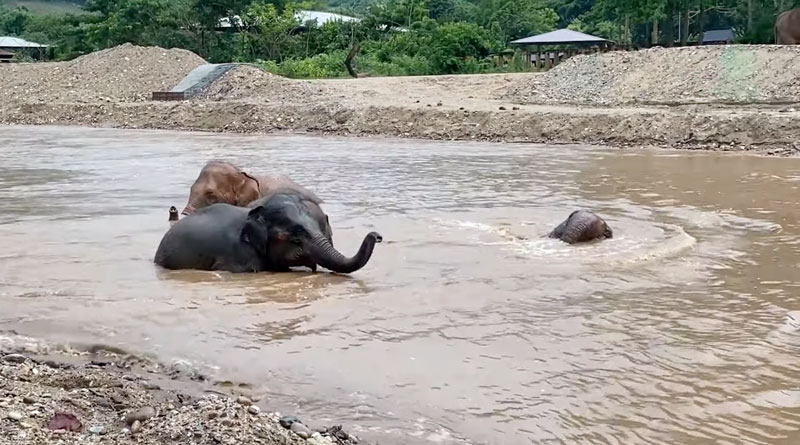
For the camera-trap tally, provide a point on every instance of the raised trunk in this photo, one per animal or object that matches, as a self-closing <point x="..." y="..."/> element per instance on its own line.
<point x="324" y="254"/>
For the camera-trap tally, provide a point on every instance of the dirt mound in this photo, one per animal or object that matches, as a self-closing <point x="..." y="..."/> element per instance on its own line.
<point x="732" y="73"/>
<point x="123" y="73"/>
<point x="251" y="83"/>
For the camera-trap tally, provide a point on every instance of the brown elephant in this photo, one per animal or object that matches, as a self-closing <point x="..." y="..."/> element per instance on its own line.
<point x="222" y="182"/>
<point x="787" y="28"/>
<point x="581" y="226"/>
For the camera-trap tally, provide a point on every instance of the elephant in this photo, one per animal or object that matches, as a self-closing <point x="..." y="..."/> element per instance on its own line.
<point x="787" y="28"/>
<point x="278" y="233"/>
<point x="581" y="226"/>
<point x="222" y="182"/>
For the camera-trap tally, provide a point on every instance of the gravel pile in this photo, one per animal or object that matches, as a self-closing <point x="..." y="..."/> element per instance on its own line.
<point x="712" y="74"/>
<point x="247" y="82"/>
<point x="123" y="73"/>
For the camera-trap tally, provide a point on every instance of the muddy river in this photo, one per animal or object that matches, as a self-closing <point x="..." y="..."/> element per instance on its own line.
<point x="466" y="326"/>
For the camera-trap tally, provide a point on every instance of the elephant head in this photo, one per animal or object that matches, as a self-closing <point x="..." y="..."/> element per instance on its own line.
<point x="285" y="230"/>
<point x="582" y="226"/>
<point x="221" y="182"/>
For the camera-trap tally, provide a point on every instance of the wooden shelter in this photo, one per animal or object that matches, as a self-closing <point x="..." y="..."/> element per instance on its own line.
<point x="6" y="56"/>
<point x="718" y="37"/>
<point x="562" y="44"/>
<point x="15" y="45"/>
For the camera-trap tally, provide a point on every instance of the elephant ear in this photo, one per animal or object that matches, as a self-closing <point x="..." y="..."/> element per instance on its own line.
<point x="256" y="230"/>
<point x="247" y="189"/>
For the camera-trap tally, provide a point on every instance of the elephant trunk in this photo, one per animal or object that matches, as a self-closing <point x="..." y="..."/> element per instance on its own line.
<point x="324" y="254"/>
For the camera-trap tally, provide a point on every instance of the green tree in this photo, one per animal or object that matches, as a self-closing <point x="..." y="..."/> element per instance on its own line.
<point x="14" y="21"/>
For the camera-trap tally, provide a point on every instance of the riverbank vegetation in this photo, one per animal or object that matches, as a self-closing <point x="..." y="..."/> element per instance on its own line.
<point x="391" y="37"/>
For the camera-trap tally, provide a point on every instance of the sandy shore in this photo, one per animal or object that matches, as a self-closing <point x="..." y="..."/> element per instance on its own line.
<point x="67" y="396"/>
<point x="501" y="107"/>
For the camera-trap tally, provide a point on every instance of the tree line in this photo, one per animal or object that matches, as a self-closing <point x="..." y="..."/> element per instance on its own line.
<point x="392" y="37"/>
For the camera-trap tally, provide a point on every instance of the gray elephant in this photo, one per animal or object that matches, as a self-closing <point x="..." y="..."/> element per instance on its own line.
<point x="275" y="234"/>
<point x="581" y="226"/>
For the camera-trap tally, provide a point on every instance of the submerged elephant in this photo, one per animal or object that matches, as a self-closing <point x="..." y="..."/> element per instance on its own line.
<point x="222" y="182"/>
<point x="276" y="234"/>
<point x="582" y="226"/>
<point x="787" y="28"/>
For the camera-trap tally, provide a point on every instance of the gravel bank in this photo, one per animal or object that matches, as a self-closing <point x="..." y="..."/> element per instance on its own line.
<point x="71" y="397"/>
<point x="706" y="74"/>
<point x="623" y="99"/>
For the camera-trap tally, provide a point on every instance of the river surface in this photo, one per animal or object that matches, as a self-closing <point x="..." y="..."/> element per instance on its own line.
<point x="466" y="326"/>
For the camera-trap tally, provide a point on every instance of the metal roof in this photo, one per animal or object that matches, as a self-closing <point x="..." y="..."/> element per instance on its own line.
<point x="323" y="17"/>
<point x="16" y="42"/>
<point x="559" y="36"/>
<point x="718" y="35"/>
<point x="302" y="16"/>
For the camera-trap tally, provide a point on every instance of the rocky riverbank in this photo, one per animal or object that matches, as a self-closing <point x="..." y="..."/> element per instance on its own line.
<point x="599" y="99"/>
<point x="99" y="396"/>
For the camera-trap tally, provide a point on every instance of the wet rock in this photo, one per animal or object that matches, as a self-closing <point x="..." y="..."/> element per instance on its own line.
<point x="254" y="410"/>
<point x="136" y="426"/>
<point x="64" y="421"/>
<point x="14" y="415"/>
<point x="242" y="400"/>
<point x="301" y="430"/>
<point x="212" y="415"/>
<point x="15" y="358"/>
<point x="141" y="415"/>
<point x="28" y="401"/>
<point x="288" y="421"/>
<point x="319" y="439"/>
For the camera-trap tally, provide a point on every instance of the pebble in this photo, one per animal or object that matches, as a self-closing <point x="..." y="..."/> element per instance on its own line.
<point x="140" y="415"/>
<point x="242" y="400"/>
<point x="288" y="421"/>
<point x="253" y="410"/>
<point x="301" y="430"/>
<point x="319" y="439"/>
<point x="14" y="358"/>
<point x="96" y="429"/>
<point x="136" y="426"/>
<point x="28" y="401"/>
<point x="212" y="415"/>
<point x="13" y="415"/>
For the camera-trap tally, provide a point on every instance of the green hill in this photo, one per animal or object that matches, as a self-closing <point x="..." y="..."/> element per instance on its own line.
<point x="41" y="7"/>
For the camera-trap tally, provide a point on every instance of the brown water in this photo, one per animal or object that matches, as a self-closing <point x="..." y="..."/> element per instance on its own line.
<point x="679" y="330"/>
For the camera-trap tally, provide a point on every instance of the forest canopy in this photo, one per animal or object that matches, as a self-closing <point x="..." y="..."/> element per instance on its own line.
<point x="394" y="37"/>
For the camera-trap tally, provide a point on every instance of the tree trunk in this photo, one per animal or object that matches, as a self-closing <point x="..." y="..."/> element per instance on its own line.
<point x="654" y="37"/>
<point x="701" y="23"/>
<point x="669" y="25"/>
<point x="348" y="61"/>
<point x="685" y="23"/>
<point x="750" y="15"/>
<point x="628" y="38"/>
